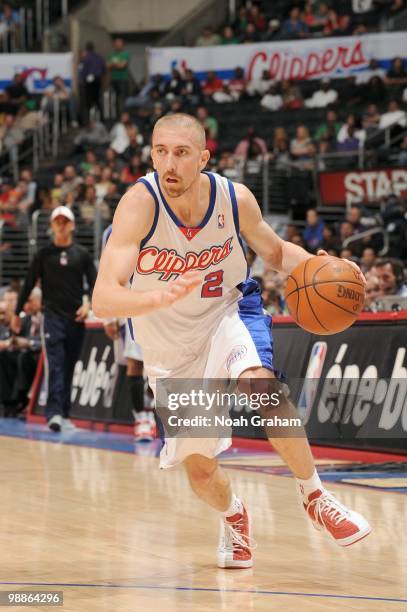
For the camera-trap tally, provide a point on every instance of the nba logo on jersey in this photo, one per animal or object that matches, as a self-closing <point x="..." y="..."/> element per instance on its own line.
<point x="221" y="221"/>
<point x="312" y="376"/>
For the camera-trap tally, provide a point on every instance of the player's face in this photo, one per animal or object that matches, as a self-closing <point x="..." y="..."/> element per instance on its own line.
<point x="178" y="159"/>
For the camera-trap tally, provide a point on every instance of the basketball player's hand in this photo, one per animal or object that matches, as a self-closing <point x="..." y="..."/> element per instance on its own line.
<point x="176" y="290"/>
<point x="352" y="263"/>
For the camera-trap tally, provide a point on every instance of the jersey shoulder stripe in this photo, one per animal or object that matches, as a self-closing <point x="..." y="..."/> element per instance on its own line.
<point x="146" y="183"/>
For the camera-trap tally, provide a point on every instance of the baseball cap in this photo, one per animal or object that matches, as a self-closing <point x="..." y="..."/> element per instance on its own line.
<point x="62" y="211"/>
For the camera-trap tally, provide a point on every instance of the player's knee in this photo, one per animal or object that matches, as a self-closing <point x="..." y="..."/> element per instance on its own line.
<point x="134" y="367"/>
<point x="200" y="469"/>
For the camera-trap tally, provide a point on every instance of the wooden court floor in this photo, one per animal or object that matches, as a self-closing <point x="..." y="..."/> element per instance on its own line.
<point x="115" y="533"/>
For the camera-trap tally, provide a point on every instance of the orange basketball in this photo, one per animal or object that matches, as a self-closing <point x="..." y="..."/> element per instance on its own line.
<point x="325" y="295"/>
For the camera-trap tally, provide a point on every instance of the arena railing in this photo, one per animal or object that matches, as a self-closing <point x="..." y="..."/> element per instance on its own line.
<point x="367" y="234"/>
<point x="34" y="23"/>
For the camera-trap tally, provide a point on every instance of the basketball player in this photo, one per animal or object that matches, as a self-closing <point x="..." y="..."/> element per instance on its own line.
<point x="190" y="327"/>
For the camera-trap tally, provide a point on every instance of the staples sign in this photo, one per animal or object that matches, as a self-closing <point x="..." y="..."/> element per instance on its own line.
<point x="362" y="186"/>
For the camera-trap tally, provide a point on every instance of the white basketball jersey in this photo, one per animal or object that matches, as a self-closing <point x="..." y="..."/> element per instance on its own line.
<point x="214" y="248"/>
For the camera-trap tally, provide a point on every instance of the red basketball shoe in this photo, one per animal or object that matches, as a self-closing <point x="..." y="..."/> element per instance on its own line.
<point x="344" y="526"/>
<point x="235" y="545"/>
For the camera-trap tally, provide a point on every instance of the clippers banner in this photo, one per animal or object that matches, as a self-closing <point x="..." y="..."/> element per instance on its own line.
<point x="305" y="59"/>
<point x="38" y="69"/>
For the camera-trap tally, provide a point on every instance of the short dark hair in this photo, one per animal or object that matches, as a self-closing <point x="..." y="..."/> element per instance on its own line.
<point x="397" y="267"/>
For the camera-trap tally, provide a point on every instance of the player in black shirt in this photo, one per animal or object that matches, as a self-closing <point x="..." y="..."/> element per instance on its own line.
<point x="61" y="267"/>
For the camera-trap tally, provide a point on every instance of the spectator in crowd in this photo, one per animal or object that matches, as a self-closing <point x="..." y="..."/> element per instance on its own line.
<point x="191" y="91"/>
<point x="228" y="36"/>
<point x="208" y="122"/>
<point x="118" y="65"/>
<point x="294" y="27"/>
<point x="395" y="117"/>
<point x="59" y="93"/>
<point x="90" y="161"/>
<point x="237" y="84"/>
<point x="92" y="72"/>
<point x="91" y="206"/>
<point x="61" y="267"/>
<point x="228" y="166"/>
<point x="397" y="74"/>
<point x="402" y="156"/>
<point x="302" y="148"/>
<point x="281" y="153"/>
<point x="250" y="35"/>
<point x="352" y="122"/>
<point x="372" y="291"/>
<point x="344" y="26"/>
<point x="71" y="181"/>
<point x="350" y="143"/>
<point x="242" y="148"/>
<point x="351" y="92"/>
<point x="257" y="17"/>
<point x="28" y="119"/>
<point x="354" y="217"/>
<point x="104" y="186"/>
<point x="259" y="87"/>
<point x="136" y="142"/>
<point x="93" y="134"/>
<point x="119" y="134"/>
<point x="154" y="86"/>
<point x="211" y="143"/>
<point x="330" y="242"/>
<point x="174" y="86"/>
<point x="292" y="96"/>
<point x="367" y="259"/>
<point x="133" y="171"/>
<point x="213" y="83"/>
<point x="371" y="119"/>
<point x="373" y="70"/>
<point x="308" y="15"/>
<point x="225" y="95"/>
<point x="273" y="32"/>
<point x="208" y="38"/>
<point x="330" y="128"/>
<point x="10" y="135"/>
<point x="241" y="20"/>
<point x="390" y="272"/>
<point x="337" y="25"/>
<point x="313" y="233"/>
<point x="323" y="97"/>
<point x="272" y="100"/>
<point x="9" y="19"/>
<point x="374" y="91"/>
<point x="17" y="93"/>
<point x="18" y="363"/>
<point x="321" y="18"/>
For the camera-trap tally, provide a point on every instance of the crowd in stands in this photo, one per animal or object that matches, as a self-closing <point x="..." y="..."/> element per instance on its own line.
<point x="108" y="157"/>
<point x="18" y="353"/>
<point x="277" y="21"/>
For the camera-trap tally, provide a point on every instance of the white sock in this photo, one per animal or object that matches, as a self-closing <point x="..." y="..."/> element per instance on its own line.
<point x="308" y="486"/>
<point x="236" y="507"/>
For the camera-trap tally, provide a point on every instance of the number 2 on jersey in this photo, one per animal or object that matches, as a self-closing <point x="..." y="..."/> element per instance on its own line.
<point x="212" y="285"/>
